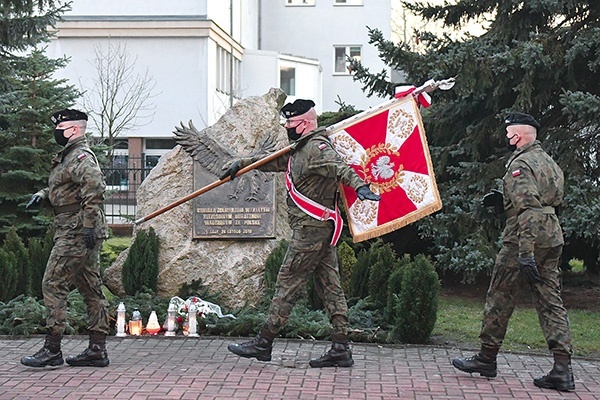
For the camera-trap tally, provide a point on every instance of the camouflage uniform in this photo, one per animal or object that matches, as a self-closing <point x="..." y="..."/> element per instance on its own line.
<point x="533" y="188"/>
<point x="76" y="193"/>
<point x="316" y="169"/>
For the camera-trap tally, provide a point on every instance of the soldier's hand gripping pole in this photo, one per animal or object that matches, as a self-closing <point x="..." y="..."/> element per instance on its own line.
<point x="213" y="185"/>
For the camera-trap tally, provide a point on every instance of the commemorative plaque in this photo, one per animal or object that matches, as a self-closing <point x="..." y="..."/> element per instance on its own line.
<point x="239" y="209"/>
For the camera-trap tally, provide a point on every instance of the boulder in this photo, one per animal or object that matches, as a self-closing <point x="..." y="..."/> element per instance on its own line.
<point x="233" y="268"/>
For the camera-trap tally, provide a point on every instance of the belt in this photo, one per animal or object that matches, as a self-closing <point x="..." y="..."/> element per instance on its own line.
<point x="545" y="210"/>
<point x="67" y="208"/>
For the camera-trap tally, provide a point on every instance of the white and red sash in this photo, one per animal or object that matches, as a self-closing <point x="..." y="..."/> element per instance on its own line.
<point x="313" y="208"/>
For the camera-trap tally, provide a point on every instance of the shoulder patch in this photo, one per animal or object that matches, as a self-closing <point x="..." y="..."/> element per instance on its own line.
<point x="516" y="172"/>
<point x="322" y="146"/>
<point x="81" y="156"/>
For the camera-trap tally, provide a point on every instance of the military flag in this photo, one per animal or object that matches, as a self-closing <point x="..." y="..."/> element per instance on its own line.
<point x="388" y="149"/>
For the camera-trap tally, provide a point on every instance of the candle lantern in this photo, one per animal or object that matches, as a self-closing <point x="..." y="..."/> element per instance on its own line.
<point x="153" y="327"/>
<point x="192" y="320"/>
<point x="171" y="320"/>
<point x="135" y="324"/>
<point x="121" y="319"/>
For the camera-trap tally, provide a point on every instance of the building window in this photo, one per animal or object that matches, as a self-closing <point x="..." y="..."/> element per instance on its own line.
<point x="287" y="77"/>
<point x="160" y="144"/>
<point x="228" y="72"/>
<point x="348" y="2"/>
<point x="300" y="2"/>
<point x="341" y="54"/>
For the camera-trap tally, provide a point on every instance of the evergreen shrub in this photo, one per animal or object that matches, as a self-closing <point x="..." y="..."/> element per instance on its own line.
<point x="15" y="249"/>
<point x="140" y="269"/>
<point x="417" y="302"/>
<point x="359" y="277"/>
<point x="384" y="263"/>
<point x="347" y="260"/>
<point x="8" y="276"/>
<point x="394" y="287"/>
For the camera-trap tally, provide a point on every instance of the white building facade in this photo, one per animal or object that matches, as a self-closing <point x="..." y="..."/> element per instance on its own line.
<point x="204" y="55"/>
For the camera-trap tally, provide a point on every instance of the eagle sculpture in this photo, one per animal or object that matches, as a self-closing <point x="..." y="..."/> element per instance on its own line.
<point x="211" y="155"/>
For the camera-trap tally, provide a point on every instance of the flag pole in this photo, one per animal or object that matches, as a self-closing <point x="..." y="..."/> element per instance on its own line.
<point x="215" y="184"/>
<point x="427" y="87"/>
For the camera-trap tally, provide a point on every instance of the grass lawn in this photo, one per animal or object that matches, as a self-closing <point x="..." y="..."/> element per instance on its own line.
<point x="459" y="320"/>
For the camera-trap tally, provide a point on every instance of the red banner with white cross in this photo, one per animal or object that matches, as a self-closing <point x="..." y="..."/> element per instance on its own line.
<point x="388" y="149"/>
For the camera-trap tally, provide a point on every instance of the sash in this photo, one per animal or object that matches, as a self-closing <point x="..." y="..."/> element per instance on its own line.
<point x="313" y="208"/>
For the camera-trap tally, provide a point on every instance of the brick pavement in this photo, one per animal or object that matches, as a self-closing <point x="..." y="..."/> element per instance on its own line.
<point x="202" y="368"/>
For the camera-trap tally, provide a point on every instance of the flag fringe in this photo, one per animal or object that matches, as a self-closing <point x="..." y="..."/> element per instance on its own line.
<point x="394" y="225"/>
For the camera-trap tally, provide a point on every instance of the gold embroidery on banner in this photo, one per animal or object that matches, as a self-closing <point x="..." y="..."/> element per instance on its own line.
<point x="400" y="123"/>
<point x="417" y="187"/>
<point x="364" y="212"/>
<point x="345" y="146"/>
<point x="380" y="171"/>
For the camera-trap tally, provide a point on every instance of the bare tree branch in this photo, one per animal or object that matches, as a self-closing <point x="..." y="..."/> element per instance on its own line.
<point x="118" y="100"/>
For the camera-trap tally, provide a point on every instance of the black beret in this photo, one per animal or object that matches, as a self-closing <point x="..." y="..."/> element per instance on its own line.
<point x="298" y="107"/>
<point x="517" y="118"/>
<point x="68" y="115"/>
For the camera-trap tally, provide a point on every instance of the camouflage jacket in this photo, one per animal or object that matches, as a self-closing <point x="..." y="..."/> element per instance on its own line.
<point x="533" y="188"/>
<point x="316" y="169"/>
<point x="76" y="184"/>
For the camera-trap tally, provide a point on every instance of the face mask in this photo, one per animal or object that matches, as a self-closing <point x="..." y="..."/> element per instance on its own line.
<point x="511" y="147"/>
<point x="292" y="134"/>
<point x="59" y="136"/>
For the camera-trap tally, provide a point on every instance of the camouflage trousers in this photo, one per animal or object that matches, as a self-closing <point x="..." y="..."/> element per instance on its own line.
<point x="507" y="281"/>
<point x="309" y="255"/>
<point x="63" y="271"/>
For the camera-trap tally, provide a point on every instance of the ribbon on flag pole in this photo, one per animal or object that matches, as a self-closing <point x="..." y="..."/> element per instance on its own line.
<point x="388" y="149"/>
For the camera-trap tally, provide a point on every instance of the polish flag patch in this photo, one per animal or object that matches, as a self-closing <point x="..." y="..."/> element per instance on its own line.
<point x="322" y="146"/>
<point x="516" y="172"/>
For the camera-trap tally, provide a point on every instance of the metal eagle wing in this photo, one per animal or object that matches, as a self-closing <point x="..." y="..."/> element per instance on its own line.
<point x="203" y="149"/>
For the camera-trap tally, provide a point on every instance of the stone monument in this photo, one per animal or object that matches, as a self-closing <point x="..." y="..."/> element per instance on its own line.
<point x="232" y="267"/>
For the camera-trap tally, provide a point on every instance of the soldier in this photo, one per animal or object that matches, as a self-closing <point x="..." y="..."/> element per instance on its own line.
<point x="313" y="172"/>
<point x="76" y="193"/>
<point x="531" y="250"/>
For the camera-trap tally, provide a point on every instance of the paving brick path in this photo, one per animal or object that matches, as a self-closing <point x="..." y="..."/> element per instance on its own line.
<point x="188" y="368"/>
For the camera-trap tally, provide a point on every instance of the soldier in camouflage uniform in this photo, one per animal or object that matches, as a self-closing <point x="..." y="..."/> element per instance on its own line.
<point x="314" y="170"/>
<point x="76" y="194"/>
<point x="531" y="250"/>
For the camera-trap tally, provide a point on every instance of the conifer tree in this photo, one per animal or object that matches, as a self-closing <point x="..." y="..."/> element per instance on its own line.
<point x="542" y="58"/>
<point x="16" y="251"/>
<point x="28" y="96"/>
<point x="27" y="144"/>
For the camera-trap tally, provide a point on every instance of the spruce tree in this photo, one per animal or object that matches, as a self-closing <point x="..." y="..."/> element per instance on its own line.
<point x="538" y="57"/>
<point x="28" y="96"/>
<point x="27" y="144"/>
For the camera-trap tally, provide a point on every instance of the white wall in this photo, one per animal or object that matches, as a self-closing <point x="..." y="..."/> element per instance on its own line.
<point x="260" y="72"/>
<point x="139" y="7"/>
<point x="177" y="65"/>
<point x="313" y="31"/>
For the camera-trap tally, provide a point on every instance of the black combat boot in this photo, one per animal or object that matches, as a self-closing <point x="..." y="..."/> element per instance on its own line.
<point x="339" y="355"/>
<point x="50" y="354"/>
<point x="560" y="377"/>
<point x="260" y="347"/>
<point x="483" y="363"/>
<point x="94" y="356"/>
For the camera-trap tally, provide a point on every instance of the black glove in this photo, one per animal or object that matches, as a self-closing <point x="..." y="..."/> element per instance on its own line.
<point x="232" y="170"/>
<point x="529" y="268"/>
<point x="34" y="202"/>
<point x="89" y="237"/>
<point x="495" y="199"/>
<point x="364" y="193"/>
